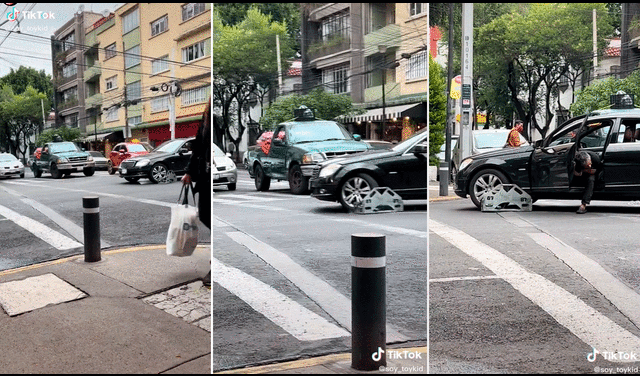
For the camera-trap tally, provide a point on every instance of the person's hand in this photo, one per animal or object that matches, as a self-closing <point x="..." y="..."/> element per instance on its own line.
<point x="186" y="179"/>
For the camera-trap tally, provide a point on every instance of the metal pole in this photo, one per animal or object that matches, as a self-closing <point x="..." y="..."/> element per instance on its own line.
<point x="444" y="170"/>
<point x="466" y="110"/>
<point x="172" y="110"/>
<point x="368" y="302"/>
<point x="91" y="206"/>
<point x="279" y="65"/>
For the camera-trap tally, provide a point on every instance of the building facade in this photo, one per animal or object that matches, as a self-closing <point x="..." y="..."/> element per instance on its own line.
<point x="377" y="53"/>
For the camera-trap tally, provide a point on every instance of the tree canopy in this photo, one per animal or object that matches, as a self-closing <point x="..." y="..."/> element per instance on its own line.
<point x="437" y="109"/>
<point x="20" y="117"/>
<point x="597" y="95"/>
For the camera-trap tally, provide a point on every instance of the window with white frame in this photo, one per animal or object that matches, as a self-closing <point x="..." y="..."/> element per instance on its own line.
<point x="132" y="57"/>
<point x="160" y="103"/>
<point x="336" y="25"/>
<point x="191" y="10"/>
<point x="416" y="9"/>
<point x="133" y="121"/>
<point x="110" y="51"/>
<point x="134" y="91"/>
<point x="70" y="69"/>
<point x="160" y="64"/>
<point x="159" y="26"/>
<point x="70" y="95"/>
<point x="130" y="21"/>
<point x="417" y="65"/>
<point x="193" y="52"/>
<point x="336" y="79"/>
<point x="68" y="42"/>
<point x="112" y="114"/>
<point x="111" y="83"/>
<point x="195" y="95"/>
<point x="71" y="121"/>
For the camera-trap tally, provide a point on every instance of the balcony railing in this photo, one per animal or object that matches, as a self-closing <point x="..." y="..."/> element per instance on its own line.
<point x="93" y="72"/>
<point x="333" y="45"/>
<point x="94" y="100"/>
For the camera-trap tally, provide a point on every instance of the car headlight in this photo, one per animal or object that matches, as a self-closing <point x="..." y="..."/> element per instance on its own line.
<point x="329" y="170"/>
<point x="63" y="160"/>
<point x="143" y="162"/>
<point x="90" y="158"/>
<point x="312" y="158"/>
<point x="465" y="163"/>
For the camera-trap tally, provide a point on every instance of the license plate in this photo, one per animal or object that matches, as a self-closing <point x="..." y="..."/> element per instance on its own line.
<point x="124" y="171"/>
<point x="216" y="176"/>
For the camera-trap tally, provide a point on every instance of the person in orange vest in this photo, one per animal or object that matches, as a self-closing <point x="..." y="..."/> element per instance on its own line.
<point x="513" y="140"/>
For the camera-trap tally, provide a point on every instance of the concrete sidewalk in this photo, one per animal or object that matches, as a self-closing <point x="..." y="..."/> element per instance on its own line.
<point x="434" y="192"/>
<point x="136" y="310"/>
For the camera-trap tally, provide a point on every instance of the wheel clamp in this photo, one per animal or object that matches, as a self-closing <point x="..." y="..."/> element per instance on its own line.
<point x="506" y="196"/>
<point x="379" y="200"/>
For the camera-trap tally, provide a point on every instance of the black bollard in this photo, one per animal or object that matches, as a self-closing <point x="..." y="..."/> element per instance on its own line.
<point x="368" y="302"/>
<point x="91" y="216"/>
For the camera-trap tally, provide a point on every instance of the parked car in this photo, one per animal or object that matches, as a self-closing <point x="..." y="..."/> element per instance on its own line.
<point x="484" y="140"/>
<point x="402" y="168"/>
<point x="10" y="166"/>
<point x="224" y="171"/>
<point x="125" y="150"/>
<point x="170" y="157"/>
<point x="102" y="163"/>
<point x="544" y="170"/>
<point x="61" y="158"/>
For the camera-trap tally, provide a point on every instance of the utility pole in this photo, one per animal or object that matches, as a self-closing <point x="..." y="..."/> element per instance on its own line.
<point x="595" y="45"/>
<point x="383" y="50"/>
<point x="466" y="119"/>
<point x="172" y="109"/>
<point x="444" y="170"/>
<point x="126" y="104"/>
<point x="279" y="65"/>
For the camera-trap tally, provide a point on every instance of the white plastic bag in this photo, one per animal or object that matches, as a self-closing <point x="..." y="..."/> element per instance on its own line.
<point x="182" y="237"/>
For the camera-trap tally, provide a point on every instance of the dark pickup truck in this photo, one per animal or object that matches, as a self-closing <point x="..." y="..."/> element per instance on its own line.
<point x="63" y="158"/>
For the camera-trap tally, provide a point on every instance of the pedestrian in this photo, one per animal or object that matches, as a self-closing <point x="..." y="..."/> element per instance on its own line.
<point x="588" y="164"/>
<point x="199" y="171"/>
<point x="513" y="140"/>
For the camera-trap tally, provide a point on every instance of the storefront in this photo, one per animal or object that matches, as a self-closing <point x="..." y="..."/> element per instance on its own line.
<point x="400" y="122"/>
<point x="155" y="133"/>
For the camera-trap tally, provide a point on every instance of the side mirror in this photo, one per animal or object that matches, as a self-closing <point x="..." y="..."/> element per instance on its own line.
<point x="277" y="141"/>
<point x="538" y="143"/>
<point x="121" y="151"/>
<point x="421" y="149"/>
<point x="357" y="137"/>
<point x="184" y="151"/>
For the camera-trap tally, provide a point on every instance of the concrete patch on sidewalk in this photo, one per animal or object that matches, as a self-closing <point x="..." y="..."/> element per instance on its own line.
<point x="17" y="297"/>
<point x="191" y="302"/>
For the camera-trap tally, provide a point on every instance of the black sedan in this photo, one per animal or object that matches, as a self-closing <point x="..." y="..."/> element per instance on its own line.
<point x="545" y="171"/>
<point x="402" y="168"/>
<point x="170" y="158"/>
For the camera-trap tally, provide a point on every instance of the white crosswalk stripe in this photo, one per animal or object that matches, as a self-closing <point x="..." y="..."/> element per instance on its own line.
<point x="43" y="232"/>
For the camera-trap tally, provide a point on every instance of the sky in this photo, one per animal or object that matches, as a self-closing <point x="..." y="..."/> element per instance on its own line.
<point x="38" y="21"/>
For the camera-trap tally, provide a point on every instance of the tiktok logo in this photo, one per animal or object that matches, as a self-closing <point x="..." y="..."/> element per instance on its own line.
<point x="592" y="356"/>
<point x="376" y="356"/>
<point x="13" y="15"/>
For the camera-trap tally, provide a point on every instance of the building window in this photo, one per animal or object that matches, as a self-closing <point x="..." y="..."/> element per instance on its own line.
<point x="134" y="91"/>
<point x="110" y="51"/>
<point x="71" y="121"/>
<point x="130" y="21"/>
<point x="197" y="95"/>
<point x="191" y="10"/>
<point x="70" y="95"/>
<point x="68" y="42"/>
<point x="160" y="64"/>
<point x="160" y="103"/>
<point x="70" y="69"/>
<point x="134" y="120"/>
<point x="112" y="113"/>
<point x="336" y="79"/>
<point x="336" y="25"/>
<point x="132" y="57"/>
<point x="193" y="52"/>
<point x="159" y="26"/>
<point x="416" y="9"/>
<point x="417" y="66"/>
<point x="111" y="83"/>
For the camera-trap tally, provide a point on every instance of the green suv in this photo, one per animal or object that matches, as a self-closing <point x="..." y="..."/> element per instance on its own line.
<point x="63" y="158"/>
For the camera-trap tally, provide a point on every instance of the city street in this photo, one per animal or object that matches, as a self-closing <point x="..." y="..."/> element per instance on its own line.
<point x="534" y="292"/>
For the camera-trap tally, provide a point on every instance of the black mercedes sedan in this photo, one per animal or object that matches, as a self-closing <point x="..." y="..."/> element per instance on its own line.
<point x="170" y="158"/>
<point x="403" y="169"/>
<point x="544" y="170"/>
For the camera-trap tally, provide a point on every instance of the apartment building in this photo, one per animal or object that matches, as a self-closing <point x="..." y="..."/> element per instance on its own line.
<point x="378" y="54"/>
<point x="148" y="65"/>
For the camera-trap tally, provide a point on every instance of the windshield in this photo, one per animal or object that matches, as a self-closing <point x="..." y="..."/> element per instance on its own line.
<point x="169" y="146"/>
<point x="7" y="158"/>
<point x="96" y="154"/>
<point x="136" y="148"/>
<point x="411" y="140"/>
<point x="317" y="131"/>
<point x="64" y="147"/>
<point x="217" y="152"/>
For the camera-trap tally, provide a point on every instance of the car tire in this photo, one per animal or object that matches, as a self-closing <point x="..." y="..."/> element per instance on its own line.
<point x="132" y="180"/>
<point x="353" y="190"/>
<point x="232" y="186"/>
<point x="298" y="183"/>
<point x="36" y="171"/>
<point x="111" y="169"/>
<point x="159" y="173"/>
<point x="261" y="180"/>
<point x="88" y="171"/>
<point x="55" y="172"/>
<point x="484" y="182"/>
<point x="22" y="175"/>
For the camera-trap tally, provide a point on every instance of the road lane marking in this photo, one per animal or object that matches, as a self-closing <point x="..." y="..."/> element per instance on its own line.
<point x="586" y="323"/>
<point x="622" y="296"/>
<point x="457" y="279"/>
<point x="283" y="311"/>
<point x="326" y="296"/>
<point x="43" y="232"/>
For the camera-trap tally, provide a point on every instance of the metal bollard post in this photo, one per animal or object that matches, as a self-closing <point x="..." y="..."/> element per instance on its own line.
<point x="368" y="302"/>
<point x="91" y="228"/>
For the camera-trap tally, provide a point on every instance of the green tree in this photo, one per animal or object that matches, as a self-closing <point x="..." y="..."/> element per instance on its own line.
<point x="326" y="106"/>
<point x="66" y="133"/>
<point x="597" y="95"/>
<point x="437" y="110"/>
<point x="24" y="77"/>
<point x="20" y="117"/>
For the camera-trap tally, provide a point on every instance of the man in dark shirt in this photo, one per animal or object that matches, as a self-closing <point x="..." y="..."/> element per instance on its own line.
<point x="587" y="163"/>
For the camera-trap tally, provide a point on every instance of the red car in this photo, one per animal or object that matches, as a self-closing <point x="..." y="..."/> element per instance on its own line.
<point x="125" y="150"/>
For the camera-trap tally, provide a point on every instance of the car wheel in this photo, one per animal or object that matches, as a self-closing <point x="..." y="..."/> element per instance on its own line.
<point x="111" y="169"/>
<point x="484" y="182"/>
<point x="36" y="171"/>
<point x="22" y="175"/>
<point x="131" y="180"/>
<point x="55" y="172"/>
<point x="262" y="181"/>
<point x="353" y="190"/>
<point x="298" y="183"/>
<point x="159" y="173"/>
<point x="88" y="171"/>
<point x="232" y="186"/>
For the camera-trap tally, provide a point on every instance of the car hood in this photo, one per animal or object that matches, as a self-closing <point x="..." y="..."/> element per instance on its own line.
<point x="222" y="161"/>
<point x="501" y="152"/>
<point x="73" y="154"/>
<point x="367" y="156"/>
<point x="154" y="155"/>
<point x="10" y="164"/>
<point x="332" y="146"/>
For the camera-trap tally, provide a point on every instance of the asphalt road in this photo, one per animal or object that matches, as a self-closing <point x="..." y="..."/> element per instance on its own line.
<point x="533" y="292"/>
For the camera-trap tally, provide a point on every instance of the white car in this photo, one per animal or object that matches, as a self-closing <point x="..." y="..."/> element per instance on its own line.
<point x="10" y="166"/>
<point x="224" y="171"/>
